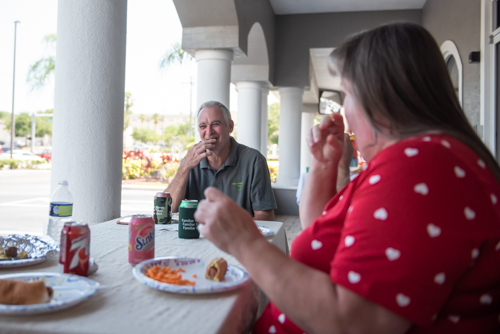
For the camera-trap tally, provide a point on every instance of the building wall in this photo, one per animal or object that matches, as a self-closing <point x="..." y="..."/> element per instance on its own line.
<point x="296" y="34"/>
<point x="460" y="22"/>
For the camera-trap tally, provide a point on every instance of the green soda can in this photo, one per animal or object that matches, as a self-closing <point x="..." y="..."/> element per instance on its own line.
<point x="187" y="225"/>
<point x="162" y="207"/>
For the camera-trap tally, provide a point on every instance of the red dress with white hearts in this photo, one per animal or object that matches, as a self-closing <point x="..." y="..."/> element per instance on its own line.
<point x="418" y="233"/>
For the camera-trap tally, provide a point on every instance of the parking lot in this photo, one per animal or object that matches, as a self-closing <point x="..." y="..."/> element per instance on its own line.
<point x="25" y="200"/>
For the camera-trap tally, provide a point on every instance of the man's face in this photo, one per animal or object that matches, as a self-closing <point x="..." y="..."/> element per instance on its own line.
<point x="212" y="125"/>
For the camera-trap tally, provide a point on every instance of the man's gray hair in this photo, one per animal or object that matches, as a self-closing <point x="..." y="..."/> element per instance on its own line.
<point x="210" y="104"/>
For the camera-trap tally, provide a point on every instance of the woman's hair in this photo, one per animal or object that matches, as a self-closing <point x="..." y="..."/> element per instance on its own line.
<point x="397" y="73"/>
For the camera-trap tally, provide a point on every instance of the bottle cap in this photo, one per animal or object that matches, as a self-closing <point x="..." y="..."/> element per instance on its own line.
<point x="63" y="182"/>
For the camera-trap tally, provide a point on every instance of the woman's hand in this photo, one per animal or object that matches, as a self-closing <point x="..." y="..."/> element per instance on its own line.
<point x="224" y="222"/>
<point x="326" y="139"/>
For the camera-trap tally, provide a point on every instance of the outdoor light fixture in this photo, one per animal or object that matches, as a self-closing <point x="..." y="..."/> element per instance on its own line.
<point x="330" y="101"/>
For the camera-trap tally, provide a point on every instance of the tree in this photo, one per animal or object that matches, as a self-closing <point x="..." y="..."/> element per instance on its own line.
<point x="42" y="70"/>
<point x="145" y="135"/>
<point x="273" y="123"/>
<point x="177" y="55"/>
<point x="43" y="125"/>
<point x="142" y="117"/>
<point x="156" y="119"/>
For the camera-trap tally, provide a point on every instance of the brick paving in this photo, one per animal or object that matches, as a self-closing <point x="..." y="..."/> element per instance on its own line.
<point x="292" y="227"/>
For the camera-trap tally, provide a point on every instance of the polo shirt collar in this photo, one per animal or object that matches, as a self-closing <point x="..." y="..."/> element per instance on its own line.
<point x="231" y="160"/>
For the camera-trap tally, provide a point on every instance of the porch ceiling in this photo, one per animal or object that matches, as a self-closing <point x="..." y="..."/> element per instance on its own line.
<point x="284" y="7"/>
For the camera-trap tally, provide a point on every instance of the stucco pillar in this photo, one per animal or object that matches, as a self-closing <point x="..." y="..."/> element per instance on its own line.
<point x="87" y="137"/>
<point x="249" y="113"/>
<point x="214" y="78"/>
<point x="289" y="137"/>
<point x="308" y="113"/>
<point x="264" y="117"/>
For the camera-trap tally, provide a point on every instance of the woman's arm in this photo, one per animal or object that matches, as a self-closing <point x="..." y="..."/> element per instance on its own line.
<point x="307" y="296"/>
<point x="325" y="142"/>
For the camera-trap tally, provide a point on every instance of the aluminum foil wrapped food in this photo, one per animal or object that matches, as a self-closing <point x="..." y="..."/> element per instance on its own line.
<point x="27" y="246"/>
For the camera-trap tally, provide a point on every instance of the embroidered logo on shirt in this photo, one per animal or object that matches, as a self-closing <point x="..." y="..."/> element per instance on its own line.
<point x="237" y="183"/>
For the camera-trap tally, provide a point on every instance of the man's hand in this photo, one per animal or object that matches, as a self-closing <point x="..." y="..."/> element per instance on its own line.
<point x="196" y="153"/>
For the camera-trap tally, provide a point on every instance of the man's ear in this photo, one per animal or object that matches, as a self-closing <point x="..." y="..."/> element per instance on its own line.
<point x="231" y="126"/>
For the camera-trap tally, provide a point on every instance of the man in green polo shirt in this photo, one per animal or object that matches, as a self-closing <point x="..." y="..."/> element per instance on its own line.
<point x="219" y="161"/>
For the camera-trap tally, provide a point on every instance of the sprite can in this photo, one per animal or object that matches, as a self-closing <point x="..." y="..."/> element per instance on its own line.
<point x="188" y="227"/>
<point x="162" y="207"/>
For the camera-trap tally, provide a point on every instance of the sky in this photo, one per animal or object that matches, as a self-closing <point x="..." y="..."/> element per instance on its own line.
<point x="153" y="26"/>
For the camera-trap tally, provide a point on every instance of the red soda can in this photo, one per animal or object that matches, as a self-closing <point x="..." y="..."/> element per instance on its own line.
<point x="141" y="236"/>
<point x="75" y="248"/>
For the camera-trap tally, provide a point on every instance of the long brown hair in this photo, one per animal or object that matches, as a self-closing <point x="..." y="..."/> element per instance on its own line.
<point x="396" y="71"/>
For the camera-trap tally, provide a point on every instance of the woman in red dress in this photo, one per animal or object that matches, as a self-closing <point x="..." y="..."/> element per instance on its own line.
<point x="412" y="245"/>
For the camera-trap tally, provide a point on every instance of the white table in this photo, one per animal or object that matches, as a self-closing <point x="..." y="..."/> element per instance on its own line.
<point x="131" y="307"/>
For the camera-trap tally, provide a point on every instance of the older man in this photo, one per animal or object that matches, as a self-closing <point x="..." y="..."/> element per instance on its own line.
<point x="219" y="161"/>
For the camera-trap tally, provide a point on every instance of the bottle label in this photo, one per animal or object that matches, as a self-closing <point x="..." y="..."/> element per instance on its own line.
<point x="61" y="209"/>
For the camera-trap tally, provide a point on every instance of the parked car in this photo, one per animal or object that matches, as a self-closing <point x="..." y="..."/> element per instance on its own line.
<point x="21" y="155"/>
<point x="46" y="154"/>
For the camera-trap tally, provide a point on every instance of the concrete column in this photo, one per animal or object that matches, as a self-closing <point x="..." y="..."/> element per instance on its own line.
<point x="88" y="105"/>
<point x="264" y="116"/>
<point x="249" y="113"/>
<point x="309" y="111"/>
<point x="214" y="78"/>
<point x="289" y="138"/>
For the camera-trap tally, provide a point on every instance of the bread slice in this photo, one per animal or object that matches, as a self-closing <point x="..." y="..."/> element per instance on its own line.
<point x="13" y="292"/>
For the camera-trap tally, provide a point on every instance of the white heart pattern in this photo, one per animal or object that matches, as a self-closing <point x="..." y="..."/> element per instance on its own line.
<point x="341" y="197"/>
<point x="426" y="138"/>
<point x="350" y="209"/>
<point x="392" y="254"/>
<point x="494" y="199"/>
<point x="349" y="240"/>
<point x="353" y="277"/>
<point x="380" y="214"/>
<point x="454" y="318"/>
<point x="440" y="278"/>
<point x="411" y="152"/>
<point x="402" y="300"/>
<point x="374" y="179"/>
<point x="281" y="318"/>
<point x="446" y="143"/>
<point x="315" y="244"/>
<point x="475" y="253"/>
<point x="486" y="299"/>
<point x="459" y="172"/>
<point x="272" y="329"/>
<point x="365" y="166"/>
<point x="498" y="246"/>
<point x="481" y="163"/>
<point x="433" y="230"/>
<point x="469" y="213"/>
<point x="421" y="188"/>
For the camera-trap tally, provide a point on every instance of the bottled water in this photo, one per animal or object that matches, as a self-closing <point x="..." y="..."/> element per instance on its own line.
<point x="61" y="210"/>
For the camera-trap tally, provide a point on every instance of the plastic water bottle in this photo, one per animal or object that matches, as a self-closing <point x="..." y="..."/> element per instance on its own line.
<point x="61" y="210"/>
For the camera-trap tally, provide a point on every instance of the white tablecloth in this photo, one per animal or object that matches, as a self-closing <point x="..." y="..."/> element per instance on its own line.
<point x="131" y="307"/>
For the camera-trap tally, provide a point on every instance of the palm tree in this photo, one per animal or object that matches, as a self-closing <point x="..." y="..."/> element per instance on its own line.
<point x="41" y="71"/>
<point x="156" y="119"/>
<point x="177" y="55"/>
<point x="142" y="117"/>
<point x="127" y="112"/>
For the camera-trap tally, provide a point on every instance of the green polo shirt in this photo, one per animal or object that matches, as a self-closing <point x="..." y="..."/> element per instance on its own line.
<point x="244" y="177"/>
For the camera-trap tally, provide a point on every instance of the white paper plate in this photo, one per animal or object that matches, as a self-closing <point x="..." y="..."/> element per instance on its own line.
<point x="266" y="231"/>
<point x="5" y="264"/>
<point x="62" y="299"/>
<point x="235" y="277"/>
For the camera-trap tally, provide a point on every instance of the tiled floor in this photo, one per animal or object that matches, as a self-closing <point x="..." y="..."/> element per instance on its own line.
<point x="292" y="227"/>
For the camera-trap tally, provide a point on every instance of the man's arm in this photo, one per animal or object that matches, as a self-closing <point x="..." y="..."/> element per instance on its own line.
<point x="177" y="188"/>
<point x="263" y="215"/>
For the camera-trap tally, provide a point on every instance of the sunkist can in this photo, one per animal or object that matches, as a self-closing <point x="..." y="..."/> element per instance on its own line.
<point x="162" y="208"/>
<point x="141" y="239"/>
<point x="75" y="248"/>
<point x="188" y="228"/>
